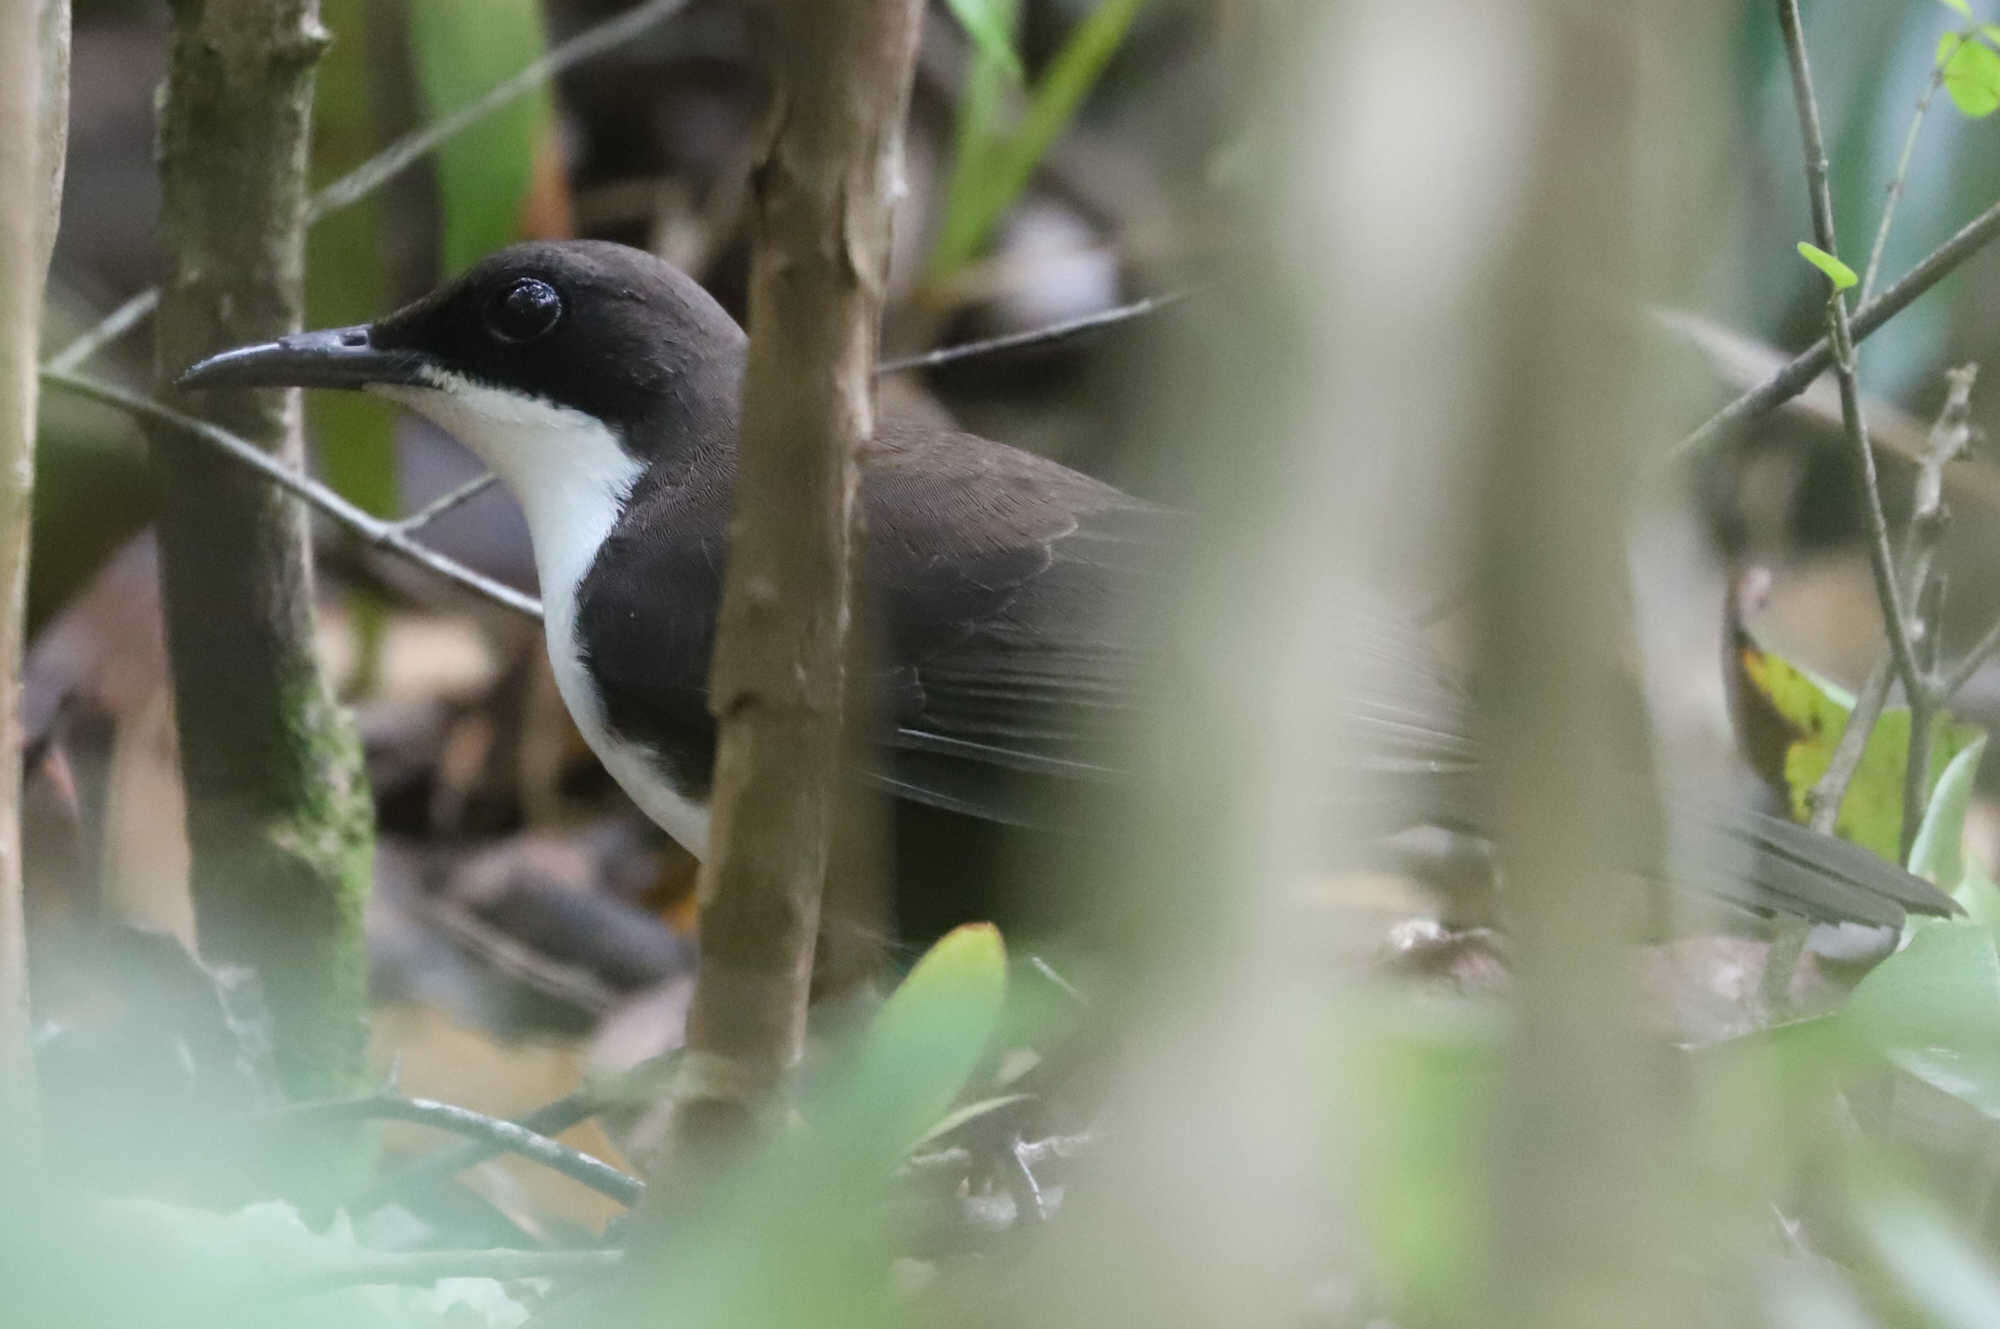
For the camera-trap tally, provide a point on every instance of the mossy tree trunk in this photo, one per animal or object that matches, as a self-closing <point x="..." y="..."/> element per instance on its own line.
<point x="278" y="813"/>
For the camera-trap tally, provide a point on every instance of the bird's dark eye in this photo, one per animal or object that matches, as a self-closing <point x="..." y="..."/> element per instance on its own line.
<point x="523" y="310"/>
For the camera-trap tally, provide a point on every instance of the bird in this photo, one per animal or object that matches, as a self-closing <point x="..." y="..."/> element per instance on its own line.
<point x="1007" y="596"/>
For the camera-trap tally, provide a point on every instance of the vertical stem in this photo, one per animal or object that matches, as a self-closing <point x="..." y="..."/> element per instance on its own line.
<point x="1583" y="1184"/>
<point x="26" y="221"/>
<point x="820" y="195"/>
<point x="1897" y="184"/>
<point x="1950" y="436"/>
<point x="1790" y="942"/>
<point x="278" y="812"/>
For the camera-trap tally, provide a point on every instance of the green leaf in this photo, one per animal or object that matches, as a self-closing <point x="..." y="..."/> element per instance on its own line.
<point x="1971" y="75"/>
<point x="990" y="24"/>
<point x="939" y="1018"/>
<point x="1938" y="1267"/>
<point x="1933" y="1009"/>
<point x="987" y="180"/>
<point x="462" y="48"/>
<point x="1938" y="853"/>
<point x="1872" y="813"/>
<point x="809" y="1199"/>
<point x="1836" y="272"/>
<point x="346" y="283"/>
<point x="1434" y="1068"/>
<point x="1960" y="5"/>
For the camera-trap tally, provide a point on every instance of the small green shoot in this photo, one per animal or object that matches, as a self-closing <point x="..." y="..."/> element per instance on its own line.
<point x="1836" y="272"/>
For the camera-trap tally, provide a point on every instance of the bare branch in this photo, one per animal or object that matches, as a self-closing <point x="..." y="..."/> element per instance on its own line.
<point x="1982" y="651"/>
<point x="404" y="153"/>
<point x="445" y="502"/>
<point x="1929" y="518"/>
<point x="1782" y="959"/>
<point x="1810" y="363"/>
<point x="372" y="530"/>
<point x="1830" y="790"/>
<point x="1880" y="560"/>
<point x="1901" y="177"/>
<point x="506" y="1136"/>
<point x="550" y="1120"/>
<point x="1054" y="332"/>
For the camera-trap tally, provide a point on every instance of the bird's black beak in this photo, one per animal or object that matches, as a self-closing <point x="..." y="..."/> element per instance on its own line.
<point x="336" y="358"/>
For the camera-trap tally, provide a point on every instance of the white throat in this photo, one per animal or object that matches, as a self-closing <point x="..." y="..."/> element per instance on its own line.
<point x="571" y="477"/>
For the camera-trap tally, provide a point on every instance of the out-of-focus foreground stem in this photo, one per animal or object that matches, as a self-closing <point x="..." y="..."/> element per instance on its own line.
<point x="34" y="45"/>
<point x="820" y="196"/>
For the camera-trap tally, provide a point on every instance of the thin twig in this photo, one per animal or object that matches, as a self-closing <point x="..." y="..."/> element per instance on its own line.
<point x="1782" y="960"/>
<point x="1880" y="560"/>
<point x="445" y="502"/>
<point x="1054" y="332"/>
<point x="1830" y="790"/>
<point x="1982" y="651"/>
<point x="1799" y="372"/>
<point x="1902" y="176"/>
<point x="1917" y="759"/>
<point x="370" y="529"/>
<point x="107" y="330"/>
<point x="404" y="153"/>
<point x="505" y="1135"/>
<point x="1950" y="436"/>
<point x="1881" y="563"/>
<point x="419" y="1268"/>
<point x="550" y="1120"/>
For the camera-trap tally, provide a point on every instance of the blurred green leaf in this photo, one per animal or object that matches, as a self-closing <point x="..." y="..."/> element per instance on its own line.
<point x="1938" y="1267"/>
<point x="1836" y="272"/>
<point x="1933" y="1009"/>
<point x="1434" y="1070"/>
<point x="1938" y="853"/>
<point x="462" y="48"/>
<point x="345" y="278"/>
<point x="1872" y="813"/>
<point x="991" y="168"/>
<point x="1971" y="75"/>
<point x="185" y="1266"/>
<point x="813" y="1199"/>
<point x="1960" y="5"/>
<point x="990" y="24"/>
<point x="346" y="283"/>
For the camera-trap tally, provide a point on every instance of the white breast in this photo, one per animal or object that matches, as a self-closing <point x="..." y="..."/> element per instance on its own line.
<point x="571" y="478"/>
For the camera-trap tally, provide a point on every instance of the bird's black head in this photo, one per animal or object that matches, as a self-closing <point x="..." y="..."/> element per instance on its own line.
<point x="605" y="331"/>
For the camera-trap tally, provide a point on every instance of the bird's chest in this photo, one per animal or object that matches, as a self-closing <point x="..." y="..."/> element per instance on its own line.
<point x="643" y="772"/>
